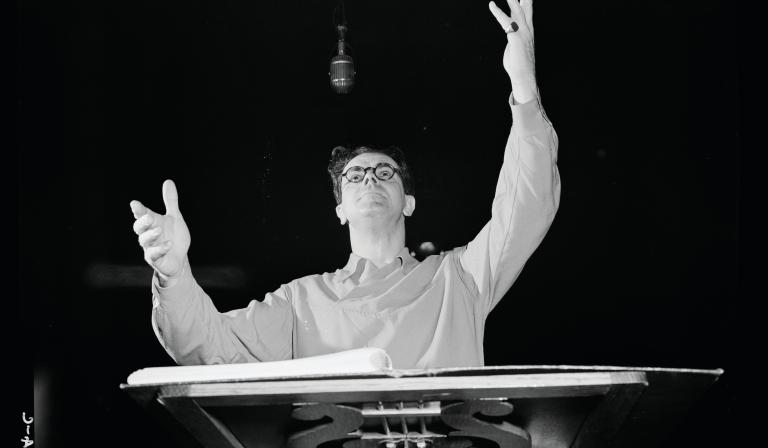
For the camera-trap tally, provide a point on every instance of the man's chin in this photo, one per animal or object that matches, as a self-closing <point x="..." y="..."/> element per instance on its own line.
<point x="372" y="204"/>
<point x="374" y="211"/>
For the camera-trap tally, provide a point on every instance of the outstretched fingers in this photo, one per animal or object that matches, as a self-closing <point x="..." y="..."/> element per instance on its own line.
<point x="516" y="16"/>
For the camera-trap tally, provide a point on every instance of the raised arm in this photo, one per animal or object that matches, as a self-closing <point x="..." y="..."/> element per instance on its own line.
<point x="528" y="190"/>
<point x="184" y="318"/>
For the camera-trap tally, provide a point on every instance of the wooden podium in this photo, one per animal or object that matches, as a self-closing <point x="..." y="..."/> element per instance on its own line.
<point x="510" y="407"/>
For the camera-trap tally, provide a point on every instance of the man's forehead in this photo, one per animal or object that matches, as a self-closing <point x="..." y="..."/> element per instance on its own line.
<point x="370" y="159"/>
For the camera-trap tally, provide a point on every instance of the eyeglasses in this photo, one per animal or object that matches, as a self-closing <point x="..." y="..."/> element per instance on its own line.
<point x="382" y="171"/>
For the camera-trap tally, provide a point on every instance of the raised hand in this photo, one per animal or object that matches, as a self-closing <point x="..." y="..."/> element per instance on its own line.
<point x="165" y="238"/>
<point x="519" y="61"/>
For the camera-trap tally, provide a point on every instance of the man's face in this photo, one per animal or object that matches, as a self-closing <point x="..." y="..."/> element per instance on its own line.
<point x="373" y="198"/>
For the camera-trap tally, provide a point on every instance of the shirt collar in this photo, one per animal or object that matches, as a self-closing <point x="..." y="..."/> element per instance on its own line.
<point x="354" y="262"/>
<point x="406" y="260"/>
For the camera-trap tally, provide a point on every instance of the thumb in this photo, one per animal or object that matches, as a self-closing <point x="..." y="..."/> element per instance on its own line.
<point x="171" y="198"/>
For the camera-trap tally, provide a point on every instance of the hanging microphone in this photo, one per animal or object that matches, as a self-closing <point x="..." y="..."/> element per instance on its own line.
<point x="342" y="67"/>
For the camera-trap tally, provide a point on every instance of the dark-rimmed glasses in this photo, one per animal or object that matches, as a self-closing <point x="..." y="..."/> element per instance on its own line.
<point x="382" y="171"/>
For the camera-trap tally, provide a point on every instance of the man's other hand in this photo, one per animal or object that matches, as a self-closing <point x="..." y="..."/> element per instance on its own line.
<point x="519" y="61"/>
<point x="165" y="238"/>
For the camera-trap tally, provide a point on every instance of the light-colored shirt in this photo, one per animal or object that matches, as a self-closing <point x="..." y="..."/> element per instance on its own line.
<point x="424" y="314"/>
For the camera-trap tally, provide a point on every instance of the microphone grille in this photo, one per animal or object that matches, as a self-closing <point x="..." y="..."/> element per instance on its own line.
<point x="342" y="73"/>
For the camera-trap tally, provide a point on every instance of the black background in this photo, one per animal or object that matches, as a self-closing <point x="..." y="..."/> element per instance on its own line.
<point x="231" y="100"/>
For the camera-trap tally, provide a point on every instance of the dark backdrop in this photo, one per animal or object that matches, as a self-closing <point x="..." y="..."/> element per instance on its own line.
<point x="231" y="100"/>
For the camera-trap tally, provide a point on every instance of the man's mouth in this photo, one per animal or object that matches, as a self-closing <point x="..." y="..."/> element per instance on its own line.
<point x="371" y="193"/>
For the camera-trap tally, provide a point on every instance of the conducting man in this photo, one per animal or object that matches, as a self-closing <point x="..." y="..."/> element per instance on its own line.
<point x="424" y="314"/>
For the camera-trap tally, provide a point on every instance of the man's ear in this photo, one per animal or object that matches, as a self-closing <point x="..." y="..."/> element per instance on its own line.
<point x="340" y="214"/>
<point x="410" y="205"/>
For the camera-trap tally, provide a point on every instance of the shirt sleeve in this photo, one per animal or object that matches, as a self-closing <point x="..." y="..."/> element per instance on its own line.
<point x="526" y="200"/>
<point x="193" y="331"/>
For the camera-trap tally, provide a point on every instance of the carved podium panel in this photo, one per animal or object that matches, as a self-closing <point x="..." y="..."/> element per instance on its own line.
<point x="510" y="407"/>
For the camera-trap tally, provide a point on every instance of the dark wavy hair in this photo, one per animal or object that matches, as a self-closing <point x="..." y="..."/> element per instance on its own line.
<point x="341" y="155"/>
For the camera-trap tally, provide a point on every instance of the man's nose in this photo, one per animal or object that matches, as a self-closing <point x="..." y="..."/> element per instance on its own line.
<point x="370" y="177"/>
